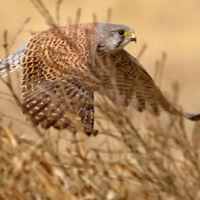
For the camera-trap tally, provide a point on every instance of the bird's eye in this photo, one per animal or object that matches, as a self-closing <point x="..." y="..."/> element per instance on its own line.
<point x="122" y="32"/>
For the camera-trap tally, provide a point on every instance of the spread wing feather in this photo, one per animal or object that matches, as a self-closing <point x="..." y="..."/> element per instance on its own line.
<point x="53" y="89"/>
<point x="136" y="87"/>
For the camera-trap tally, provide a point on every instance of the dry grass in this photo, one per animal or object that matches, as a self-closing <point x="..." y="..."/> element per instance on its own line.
<point x="158" y="161"/>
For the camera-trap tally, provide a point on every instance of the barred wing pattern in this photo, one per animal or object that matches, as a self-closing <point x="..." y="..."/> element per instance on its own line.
<point x="12" y="62"/>
<point x="54" y="69"/>
<point x="62" y="67"/>
<point x="137" y="88"/>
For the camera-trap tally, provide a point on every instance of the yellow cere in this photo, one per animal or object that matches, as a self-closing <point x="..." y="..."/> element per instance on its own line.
<point x="131" y="35"/>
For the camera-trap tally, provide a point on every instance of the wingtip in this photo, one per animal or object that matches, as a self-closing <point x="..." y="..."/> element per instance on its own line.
<point x="192" y="116"/>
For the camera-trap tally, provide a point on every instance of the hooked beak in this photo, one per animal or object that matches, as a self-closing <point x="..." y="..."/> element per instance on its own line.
<point x="132" y="37"/>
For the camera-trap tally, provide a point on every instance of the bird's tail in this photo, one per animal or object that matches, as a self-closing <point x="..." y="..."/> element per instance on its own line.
<point x="12" y="62"/>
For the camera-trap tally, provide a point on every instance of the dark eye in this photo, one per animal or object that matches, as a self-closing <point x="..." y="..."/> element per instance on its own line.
<point x="122" y="32"/>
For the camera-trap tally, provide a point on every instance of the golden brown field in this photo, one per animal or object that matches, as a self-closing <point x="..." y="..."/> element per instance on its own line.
<point x="135" y="155"/>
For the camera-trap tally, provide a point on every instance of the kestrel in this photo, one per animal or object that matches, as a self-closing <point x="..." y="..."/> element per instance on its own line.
<point x="63" y="67"/>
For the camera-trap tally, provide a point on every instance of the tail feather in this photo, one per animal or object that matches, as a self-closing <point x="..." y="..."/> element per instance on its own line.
<point x="12" y="62"/>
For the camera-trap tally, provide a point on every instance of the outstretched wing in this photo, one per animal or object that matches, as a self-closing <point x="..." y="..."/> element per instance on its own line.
<point x="55" y="65"/>
<point x="135" y="86"/>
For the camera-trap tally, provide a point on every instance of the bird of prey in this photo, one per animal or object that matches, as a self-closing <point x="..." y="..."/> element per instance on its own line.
<point x="63" y="67"/>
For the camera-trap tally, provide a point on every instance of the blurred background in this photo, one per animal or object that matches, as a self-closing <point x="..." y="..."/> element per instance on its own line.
<point x="156" y="160"/>
<point x="167" y="26"/>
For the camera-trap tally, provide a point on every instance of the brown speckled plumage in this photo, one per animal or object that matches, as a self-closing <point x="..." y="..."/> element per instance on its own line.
<point x="61" y="68"/>
<point x="53" y="64"/>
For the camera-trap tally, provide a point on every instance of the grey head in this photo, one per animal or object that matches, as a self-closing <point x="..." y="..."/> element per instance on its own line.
<point x="114" y="37"/>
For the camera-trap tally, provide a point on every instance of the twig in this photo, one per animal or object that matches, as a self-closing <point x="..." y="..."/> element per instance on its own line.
<point x="109" y="15"/>
<point x="141" y="52"/>
<point x="78" y="15"/>
<point x="44" y="12"/>
<point x="58" y="4"/>
<point x="18" y="33"/>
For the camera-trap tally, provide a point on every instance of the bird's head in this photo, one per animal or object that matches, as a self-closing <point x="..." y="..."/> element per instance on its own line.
<point x="113" y="37"/>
